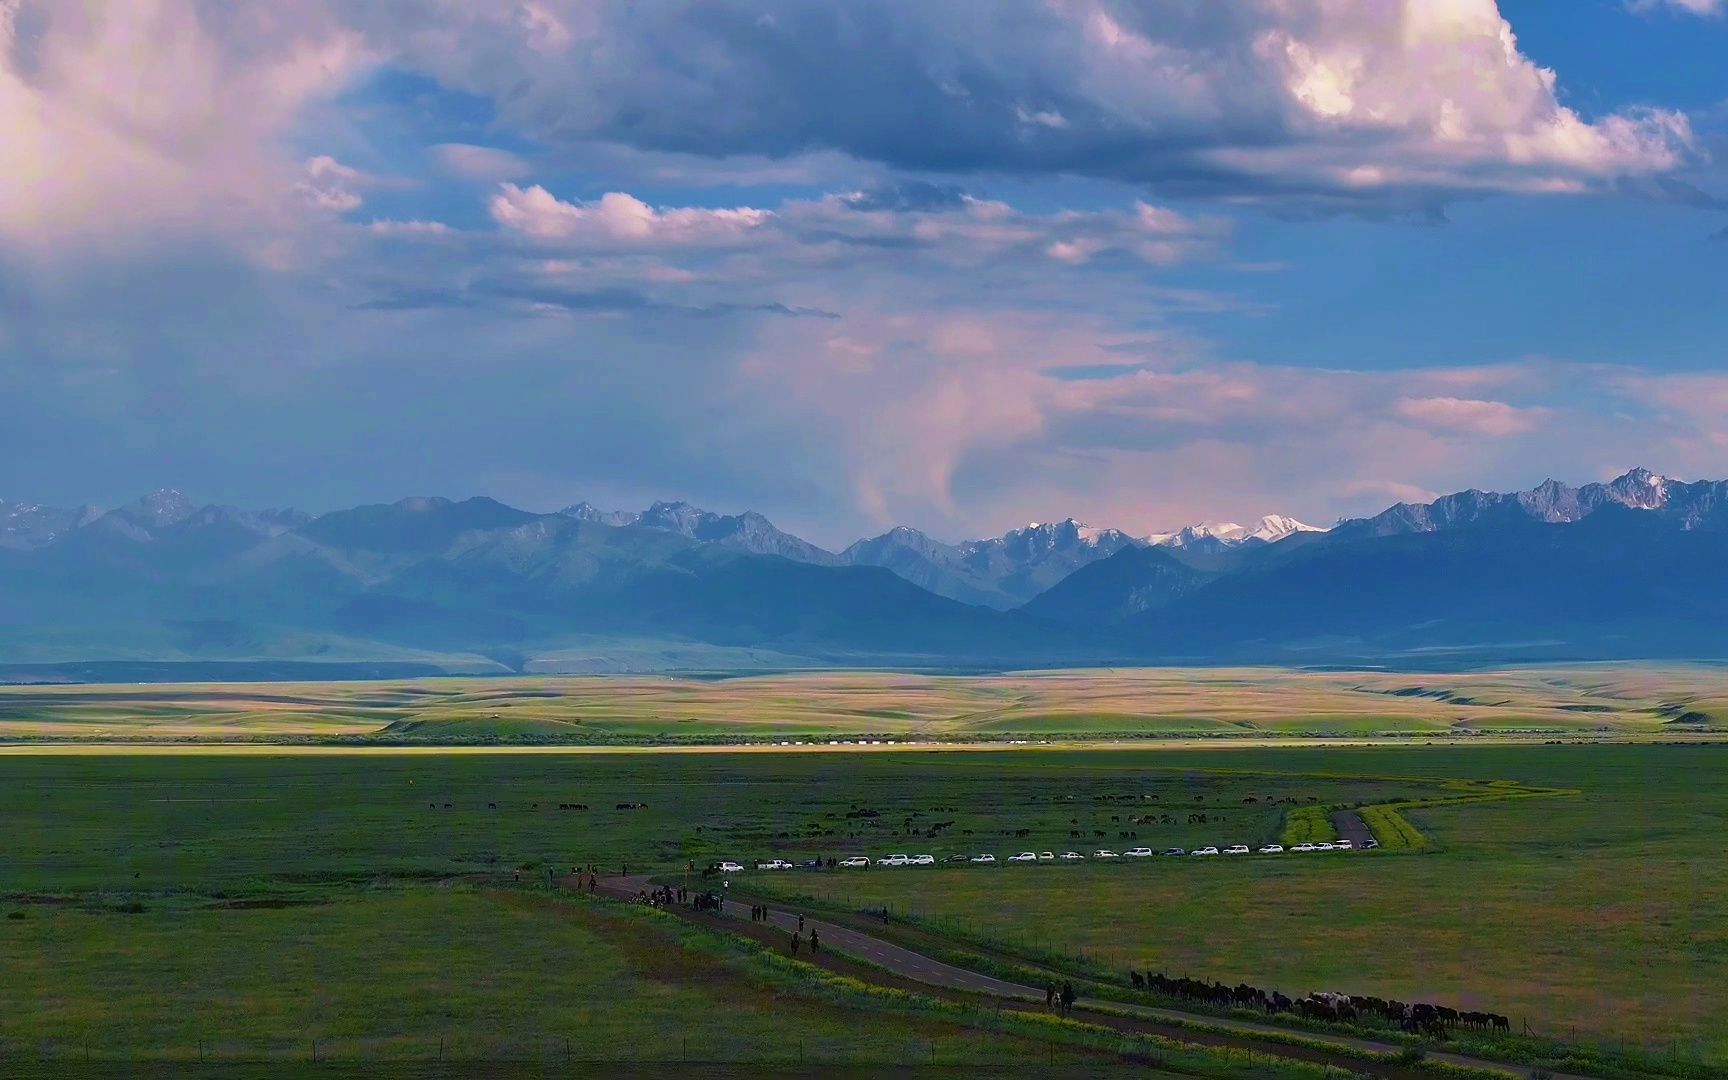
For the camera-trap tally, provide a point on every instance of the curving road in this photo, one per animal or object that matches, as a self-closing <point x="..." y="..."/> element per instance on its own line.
<point x="917" y="967"/>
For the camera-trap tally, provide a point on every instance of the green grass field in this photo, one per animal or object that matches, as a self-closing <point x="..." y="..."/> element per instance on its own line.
<point x="422" y="974"/>
<point x="1600" y="915"/>
<point x="1597" y="914"/>
<point x="1200" y="703"/>
<point x="290" y="822"/>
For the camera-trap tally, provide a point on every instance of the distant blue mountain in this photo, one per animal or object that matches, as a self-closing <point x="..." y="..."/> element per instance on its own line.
<point x="1626" y="568"/>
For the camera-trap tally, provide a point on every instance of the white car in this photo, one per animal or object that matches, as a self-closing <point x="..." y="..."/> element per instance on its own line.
<point x="1072" y="856"/>
<point x="893" y="860"/>
<point x="855" y="862"/>
<point x="1204" y="851"/>
<point x="774" y="864"/>
<point x="924" y="860"/>
<point x="1325" y="847"/>
<point x="1345" y="845"/>
<point x="1138" y="853"/>
<point x="983" y="858"/>
<point x="1305" y="847"/>
<point x="1272" y="849"/>
<point x="1046" y="856"/>
<point x="730" y="868"/>
<point x="1236" y="849"/>
<point x="1105" y="854"/>
<point x="1024" y="856"/>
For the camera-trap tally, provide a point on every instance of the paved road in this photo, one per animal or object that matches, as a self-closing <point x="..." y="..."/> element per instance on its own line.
<point x="916" y="966"/>
<point x="1351" y="827"/>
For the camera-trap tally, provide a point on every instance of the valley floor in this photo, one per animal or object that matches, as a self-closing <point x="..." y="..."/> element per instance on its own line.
<point x="160" y="899"/>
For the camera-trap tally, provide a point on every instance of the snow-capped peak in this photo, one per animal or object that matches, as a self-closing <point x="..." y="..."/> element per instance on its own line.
<point x="1275" y="527"/>
<point x="1269" y="529"/>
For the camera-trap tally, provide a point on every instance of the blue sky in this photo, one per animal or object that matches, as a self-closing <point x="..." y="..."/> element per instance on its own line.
<point x="959" y="266"/>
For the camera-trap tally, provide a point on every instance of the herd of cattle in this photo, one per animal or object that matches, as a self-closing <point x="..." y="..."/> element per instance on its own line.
<point x="1433" y="1021"/>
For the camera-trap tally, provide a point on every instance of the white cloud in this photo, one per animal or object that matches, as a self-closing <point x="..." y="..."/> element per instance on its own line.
<point x="618" y="219"/>
<point x="142" y="115"/>
<point x="1466" y="416"/>
<point x="1367" y="103"/>
<point x="329" y="185"/>
<point x="485" y="163"/>
<point x="844" y="229"/>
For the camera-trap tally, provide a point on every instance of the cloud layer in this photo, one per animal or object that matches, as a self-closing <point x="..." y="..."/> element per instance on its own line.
<point x="953" y="264"/>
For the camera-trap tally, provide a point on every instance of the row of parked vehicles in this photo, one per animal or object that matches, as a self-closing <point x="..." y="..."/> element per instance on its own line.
<point x="859" y="862"/>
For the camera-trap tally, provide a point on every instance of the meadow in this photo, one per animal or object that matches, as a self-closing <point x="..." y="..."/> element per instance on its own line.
<point x="1595" y="914"/>
<point x="1598" y="916"/>
<point x="448" y="974"/>
<point x="1200" y="703"/>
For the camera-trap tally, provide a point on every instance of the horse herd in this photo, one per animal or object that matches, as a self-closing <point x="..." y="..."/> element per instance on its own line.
<point x="1433" y="1021"/>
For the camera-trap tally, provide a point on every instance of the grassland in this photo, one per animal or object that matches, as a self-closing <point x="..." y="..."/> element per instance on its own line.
<point x="1210" y="703"/>
<point x="305" y="847"/>
<point x="428" y="974"/>
<point x="1599" y="915"/>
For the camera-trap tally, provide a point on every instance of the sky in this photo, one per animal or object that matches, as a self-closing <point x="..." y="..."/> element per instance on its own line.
<point x="959" y="265"/>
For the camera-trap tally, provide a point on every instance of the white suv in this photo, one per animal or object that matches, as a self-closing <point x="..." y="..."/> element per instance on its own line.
<point x="1138" y="853"/>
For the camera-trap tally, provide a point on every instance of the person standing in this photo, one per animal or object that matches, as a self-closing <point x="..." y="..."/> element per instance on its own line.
<point x="1067" y="997"/>
<point x="800" y="922"/>
<point x="1049" y="995"/>
<point x="815" y="941"/>
<point x="795" y="943"/>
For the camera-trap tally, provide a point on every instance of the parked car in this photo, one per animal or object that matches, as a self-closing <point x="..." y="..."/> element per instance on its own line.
<point x="730" y="868"/>
<point x="1236" y="849"/>
<point x="855" y="862"/>
<point x="1272" y="849"/>
<point x="1325" y="847"/>
<point x="1345" y="845"/>
<point x="1138" y="853"/>
<point x="1104" y="853"/>
<point x="1072" y="856"/>
<point x="985" y="858"/>
<point x="1370" y="844"/>
<point x="1204" y="851"/>
<point x="1046" y="856"/>
<point x="955" y="859"/>
<point x="924" y="860"/>
<point x="1024" y="856"/>
<point x="1305" y="847"/>
<point x="893" y="860"/>
<point x="811" y="864"/>
<point x="1172" y="851"/>
<point x="774" y="864"/>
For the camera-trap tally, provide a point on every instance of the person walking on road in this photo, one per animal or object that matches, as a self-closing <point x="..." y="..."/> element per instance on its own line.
<point x="795" y="943"/>
<point x="800" y="922"/>
<point x="815" y="941"/>
<point x="1049" y="995"/>
<point x="1067" y="997"/>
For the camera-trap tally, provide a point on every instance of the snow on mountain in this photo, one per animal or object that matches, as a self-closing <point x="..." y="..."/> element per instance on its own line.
<point x="587" y="511"/>
<point x="1268" y="530"/>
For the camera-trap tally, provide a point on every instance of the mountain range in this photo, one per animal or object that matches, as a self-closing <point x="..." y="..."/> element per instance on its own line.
<point x="1629" y="567"/>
